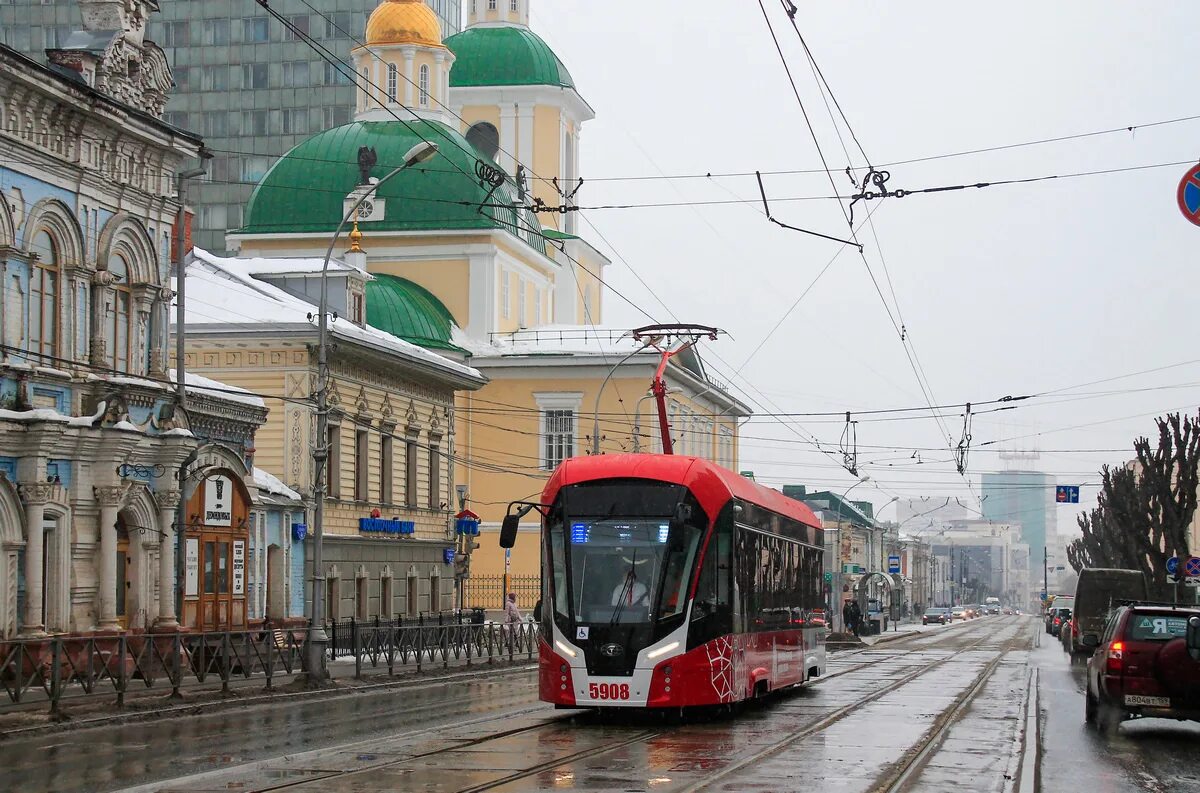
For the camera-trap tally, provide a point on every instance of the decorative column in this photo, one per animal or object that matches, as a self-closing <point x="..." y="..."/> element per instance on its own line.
<point x="110" y="499"/>
<point x="168" y="501"/>
<point x="101" y="296"/>
<point x="508" y="138"/>
<point x="35" y="495"/>
<point x="410" y="53"/>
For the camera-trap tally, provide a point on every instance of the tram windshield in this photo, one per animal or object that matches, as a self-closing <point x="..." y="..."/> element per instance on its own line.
<point x="610" y="568"/>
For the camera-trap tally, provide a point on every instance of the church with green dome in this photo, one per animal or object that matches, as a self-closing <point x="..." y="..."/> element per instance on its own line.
<point x="450" y="256"/>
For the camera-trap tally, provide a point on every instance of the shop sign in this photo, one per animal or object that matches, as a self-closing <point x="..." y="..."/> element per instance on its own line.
<point x="218" y="501"/>
<point x="239" y="567"/>
<point x="386" y="526"/>
<point x="191" y="568"/>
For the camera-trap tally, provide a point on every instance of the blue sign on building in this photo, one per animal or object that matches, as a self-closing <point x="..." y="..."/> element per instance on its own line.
<point x="893" y="564"/>
<point x="386" y="526"/>
<point x="299" y="531"/>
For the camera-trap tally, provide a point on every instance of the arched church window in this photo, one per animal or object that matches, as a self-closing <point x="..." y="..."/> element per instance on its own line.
<point x="118" y="330"/>
<point x="424" y="83"/>
<point x="44" y="286"/>
<point x="485" y="138"/>
<point x="392" y="76"/>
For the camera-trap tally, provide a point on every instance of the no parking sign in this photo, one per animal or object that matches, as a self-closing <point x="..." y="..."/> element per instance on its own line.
<point x="1188" y="196"/>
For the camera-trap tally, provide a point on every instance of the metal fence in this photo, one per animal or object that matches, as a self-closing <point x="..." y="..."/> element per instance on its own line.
<point x="57" y="669"/>
<point x="488" y="591"/>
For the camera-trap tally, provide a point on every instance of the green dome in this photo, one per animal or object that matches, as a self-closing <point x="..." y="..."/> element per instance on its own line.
<point x="305" y="188"/>
<point x="409" y="311"/>
<point x="504" y="56"/>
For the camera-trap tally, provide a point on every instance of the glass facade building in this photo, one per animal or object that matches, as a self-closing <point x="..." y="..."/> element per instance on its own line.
<point x="1025" y="498"/>
<point x="251" y="87"/>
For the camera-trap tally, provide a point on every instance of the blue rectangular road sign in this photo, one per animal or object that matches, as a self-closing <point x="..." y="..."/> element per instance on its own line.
<point x="1066" y="494"/>
<point x="893" y="564"/>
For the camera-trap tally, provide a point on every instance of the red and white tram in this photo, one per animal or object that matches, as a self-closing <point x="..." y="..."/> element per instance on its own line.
<point x="671" y="582"/>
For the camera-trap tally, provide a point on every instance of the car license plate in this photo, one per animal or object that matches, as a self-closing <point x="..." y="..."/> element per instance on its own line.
<point x="1157" y="702"/>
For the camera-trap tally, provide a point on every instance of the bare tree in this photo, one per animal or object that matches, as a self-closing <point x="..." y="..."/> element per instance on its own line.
<point x="1144" y="511"/>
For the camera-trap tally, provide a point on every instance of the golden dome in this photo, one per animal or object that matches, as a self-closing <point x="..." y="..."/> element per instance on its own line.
<point x="404" y="22"/>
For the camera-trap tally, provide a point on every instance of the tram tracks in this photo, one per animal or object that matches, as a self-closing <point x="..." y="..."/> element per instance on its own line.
<point x="914" y="756"/>
<point x="894" y="778"/>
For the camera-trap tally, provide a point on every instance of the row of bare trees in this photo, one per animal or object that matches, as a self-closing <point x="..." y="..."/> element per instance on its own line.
<point x="1144" y="511"/>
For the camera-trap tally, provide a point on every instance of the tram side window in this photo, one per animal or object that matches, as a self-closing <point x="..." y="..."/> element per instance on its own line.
<point x="780" y="580"/>
<point x="712" y="614"/>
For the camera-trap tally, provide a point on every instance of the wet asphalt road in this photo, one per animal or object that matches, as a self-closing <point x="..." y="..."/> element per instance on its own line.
<point x="1147" y="754"/>
<point x="942" y="711"/>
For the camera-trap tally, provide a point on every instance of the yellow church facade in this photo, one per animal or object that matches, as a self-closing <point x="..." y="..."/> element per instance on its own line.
<point x="458" y="261"/>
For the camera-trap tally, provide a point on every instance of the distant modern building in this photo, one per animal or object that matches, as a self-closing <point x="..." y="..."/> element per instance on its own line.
<point x="252" y="88"/>
<point x="1026" y="498"/>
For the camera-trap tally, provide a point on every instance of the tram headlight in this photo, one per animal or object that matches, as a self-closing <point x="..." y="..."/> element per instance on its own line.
<point x="666" y="648"/>
<point x="568" y="651"/>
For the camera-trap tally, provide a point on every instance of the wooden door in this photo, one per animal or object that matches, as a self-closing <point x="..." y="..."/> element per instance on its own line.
<point x="216" y="582"/>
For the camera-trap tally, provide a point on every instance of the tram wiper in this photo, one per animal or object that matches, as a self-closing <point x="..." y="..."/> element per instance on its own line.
<point x="626" y="590"/>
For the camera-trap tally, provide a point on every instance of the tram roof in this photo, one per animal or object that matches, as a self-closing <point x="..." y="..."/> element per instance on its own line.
<point x="712" y="484"/>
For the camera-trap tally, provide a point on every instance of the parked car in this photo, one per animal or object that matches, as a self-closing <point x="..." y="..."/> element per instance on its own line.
<point x="936" y="616"/>
<point x="1061" y="614"/>
<point x="1098" y="592"/>
<point x="1145" y="664"/>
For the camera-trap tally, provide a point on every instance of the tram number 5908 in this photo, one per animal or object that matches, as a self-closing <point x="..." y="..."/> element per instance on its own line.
<point x="609" y="690"/>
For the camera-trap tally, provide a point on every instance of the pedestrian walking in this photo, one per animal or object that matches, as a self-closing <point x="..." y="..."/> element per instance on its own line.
<point x="856" y="616"/>
<point x="847" y="619"/>
<point x="512" y="618"/>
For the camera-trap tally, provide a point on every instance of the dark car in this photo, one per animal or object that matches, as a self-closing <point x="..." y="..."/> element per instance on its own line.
<point x="1098" y="592"/>
<point x="1058" y="616"/>
<point x="936" y="617"/>
<point x="1062" y="601"/>
<point x="1145" y="664"/>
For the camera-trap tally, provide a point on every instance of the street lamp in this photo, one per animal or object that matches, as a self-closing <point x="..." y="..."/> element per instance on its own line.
<point x="596" y="411"/>
<point x="836" y="603"/>
<point x="317" y="639"/>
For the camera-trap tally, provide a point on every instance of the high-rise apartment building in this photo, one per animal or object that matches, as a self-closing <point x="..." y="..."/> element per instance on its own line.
<point x="245" y="82"/>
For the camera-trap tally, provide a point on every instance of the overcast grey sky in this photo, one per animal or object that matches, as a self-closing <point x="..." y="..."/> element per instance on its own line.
<point x="1004" y="291"/>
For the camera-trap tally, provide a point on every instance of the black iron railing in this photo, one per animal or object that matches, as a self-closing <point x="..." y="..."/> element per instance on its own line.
<point x="56" y="669"/>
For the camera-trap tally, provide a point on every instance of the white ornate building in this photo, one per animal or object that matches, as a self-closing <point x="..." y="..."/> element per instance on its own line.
<point x="90" y="438"/>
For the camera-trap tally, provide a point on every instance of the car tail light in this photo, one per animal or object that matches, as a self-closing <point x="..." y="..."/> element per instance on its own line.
<point x="1058" y="621"/>
<point x="1116" y="657"/>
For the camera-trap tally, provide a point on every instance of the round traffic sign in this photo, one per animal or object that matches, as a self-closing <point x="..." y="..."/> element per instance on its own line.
<point x="1188" y="195"/>
<point x="1191" y="568"/>
<point x="1173" y="565"/>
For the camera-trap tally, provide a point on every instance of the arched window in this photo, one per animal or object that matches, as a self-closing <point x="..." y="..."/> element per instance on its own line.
<point x="424" y="84"/>
<point x="515" y="5"/>
<point x="392" y="76"/>
<point x="491" y="5"/>
<point x="485" y="138"/>
<point x="118" y="325"/>
<point x="44" y="284"/>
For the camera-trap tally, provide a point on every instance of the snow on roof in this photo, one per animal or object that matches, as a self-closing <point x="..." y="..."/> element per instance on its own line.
<point x="270" y="483"/>
<point x="203" y="385"/>
<point x="257" y="265"/>
<point x="223" y="291"/>
<point x="554" y="340"/>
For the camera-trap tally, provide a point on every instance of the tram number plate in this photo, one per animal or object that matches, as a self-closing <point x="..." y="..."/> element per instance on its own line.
<point x="609" y="690"/>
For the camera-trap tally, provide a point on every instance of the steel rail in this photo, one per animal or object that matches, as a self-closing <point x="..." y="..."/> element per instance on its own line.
<point x="832" y="718"/>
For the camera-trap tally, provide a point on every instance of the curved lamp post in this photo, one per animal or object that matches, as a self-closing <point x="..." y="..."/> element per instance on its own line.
<point x="837" y="552"/>
<point x="596" y="410"/>
<point x="316" y="637"/>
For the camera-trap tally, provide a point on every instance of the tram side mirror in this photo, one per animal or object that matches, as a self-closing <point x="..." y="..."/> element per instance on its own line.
<point x="508" y="531"/>
<point x="1193" y="638"/>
